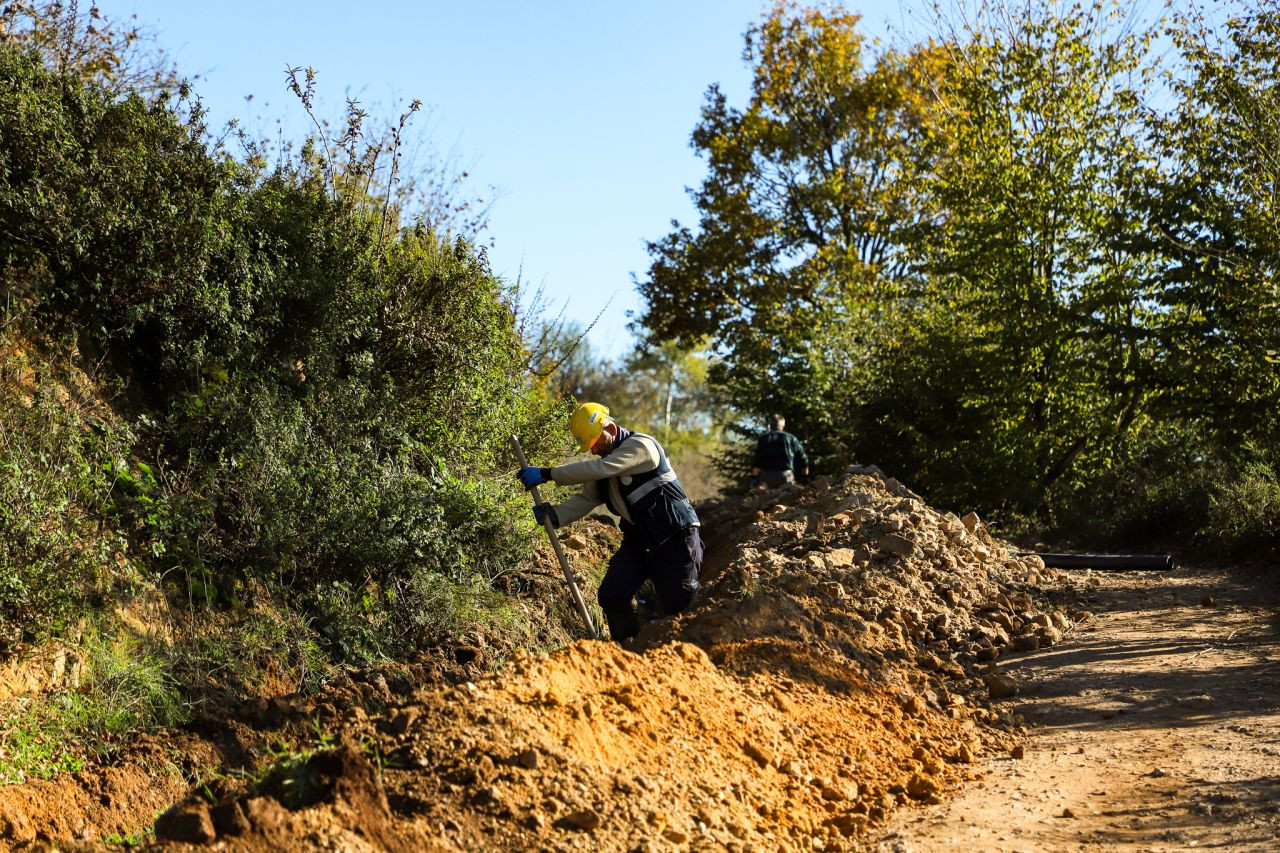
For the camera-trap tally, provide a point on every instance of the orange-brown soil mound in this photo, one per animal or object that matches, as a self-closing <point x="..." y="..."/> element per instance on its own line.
<point x="832" y="670"/>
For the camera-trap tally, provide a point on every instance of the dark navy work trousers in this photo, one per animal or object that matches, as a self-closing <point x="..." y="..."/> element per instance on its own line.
<point x="673" y="567"/>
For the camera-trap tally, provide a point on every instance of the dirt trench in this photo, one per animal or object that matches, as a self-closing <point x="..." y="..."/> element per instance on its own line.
<point x="1156" y="728"/>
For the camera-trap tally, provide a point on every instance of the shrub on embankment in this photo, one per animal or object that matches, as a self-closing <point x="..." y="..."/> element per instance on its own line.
<point x="238" y="385"/>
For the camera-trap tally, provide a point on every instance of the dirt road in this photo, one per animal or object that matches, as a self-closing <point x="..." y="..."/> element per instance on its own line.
<point x="1156" y="726"/>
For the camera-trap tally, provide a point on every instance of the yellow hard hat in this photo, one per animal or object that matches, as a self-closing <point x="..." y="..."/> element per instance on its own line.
<point x="587" y="423"/>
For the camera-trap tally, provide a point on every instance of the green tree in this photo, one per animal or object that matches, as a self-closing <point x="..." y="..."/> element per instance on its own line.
<point x="1212" y="220"/>
<point x="920" y="257"/>
<point x="1027" y="296"/>
<point x="796" y="246"/>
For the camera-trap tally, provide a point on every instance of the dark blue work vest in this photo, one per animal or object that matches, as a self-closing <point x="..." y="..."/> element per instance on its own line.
<point x="656" y="501"/>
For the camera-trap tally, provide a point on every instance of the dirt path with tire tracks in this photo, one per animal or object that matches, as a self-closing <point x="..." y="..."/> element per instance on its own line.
<point x="1155" y="727"/>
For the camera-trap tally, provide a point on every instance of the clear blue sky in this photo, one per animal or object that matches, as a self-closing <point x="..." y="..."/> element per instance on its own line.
<point x="578" y="112"/>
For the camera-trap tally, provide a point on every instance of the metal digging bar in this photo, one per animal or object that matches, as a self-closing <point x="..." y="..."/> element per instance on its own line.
<point x="1104" y="562"/>
<point x="559" y="549"/>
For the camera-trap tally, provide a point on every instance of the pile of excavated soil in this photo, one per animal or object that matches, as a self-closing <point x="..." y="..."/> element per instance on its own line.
<point x="833" y="669"/>
<point x="118" y="795"/>
<point x="598" y="746"/>
<point x="863" y="576"/>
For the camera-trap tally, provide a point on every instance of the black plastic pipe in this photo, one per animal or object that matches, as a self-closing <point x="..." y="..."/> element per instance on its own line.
<point x="1105" y="562"/>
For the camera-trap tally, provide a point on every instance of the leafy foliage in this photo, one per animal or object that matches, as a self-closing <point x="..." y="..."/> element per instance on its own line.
<point x="314" y="395"/>
<point x="989" y="263"/>
<point x="57" y="465"/>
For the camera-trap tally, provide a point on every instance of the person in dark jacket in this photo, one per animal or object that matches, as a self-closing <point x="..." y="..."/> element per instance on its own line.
<point x="779" y="456"/>
<point x="660" y="529"/>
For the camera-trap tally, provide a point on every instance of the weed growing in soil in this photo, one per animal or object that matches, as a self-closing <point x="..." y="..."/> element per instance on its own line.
<point x="134" y="839"/>
<point x="125" y="687"/>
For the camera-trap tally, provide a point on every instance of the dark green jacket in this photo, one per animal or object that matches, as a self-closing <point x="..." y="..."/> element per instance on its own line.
<point x="780" y="451"/>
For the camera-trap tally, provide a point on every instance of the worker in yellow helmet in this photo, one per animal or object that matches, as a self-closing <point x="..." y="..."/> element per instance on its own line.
<point x="634" y="479"/>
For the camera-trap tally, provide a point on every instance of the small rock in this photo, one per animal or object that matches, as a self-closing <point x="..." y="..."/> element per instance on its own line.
<point x="1018" y="752"/>
<point x="674" y="835"/>
<point x="1208" y="601"/>
<point x="573" y="542"/>
<point x="585" y="819"/>
<point x="1158" y="773"/>
<point x="488" y="795"/>
<point x="1049" y="636"/>
<point x="1067" y="812"/>
<point x="1003" y="619"/>
<point x="971" y="522"/>
<point x="1000" y="685"/>
<point x="835" y="794"/>
<point x="529" y="759"/>
<point x="912" y="703"/>
<point x="832" y="591"/>
<point x="1026" y="643"/>
<point x="760" y="754"/>
<point x="920" y="786"/>
<point x="188" y="822"/>
<point x="896" y="544"/>
<point x="840" y="558"/>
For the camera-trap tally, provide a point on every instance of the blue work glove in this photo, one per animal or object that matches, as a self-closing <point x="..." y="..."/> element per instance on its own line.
<point x="544" y="511"/>
<point x="531" y="476"/>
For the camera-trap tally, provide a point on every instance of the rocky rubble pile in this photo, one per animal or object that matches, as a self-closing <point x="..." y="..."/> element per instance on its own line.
<point x="872" y="573"/>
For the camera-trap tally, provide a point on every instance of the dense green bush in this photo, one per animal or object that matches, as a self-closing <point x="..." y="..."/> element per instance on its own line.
<point x="1177" y="488"/>
<point x="1244" y="511"/>
<point x="318" y="408"/>
<point x="1155" y="492"/>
